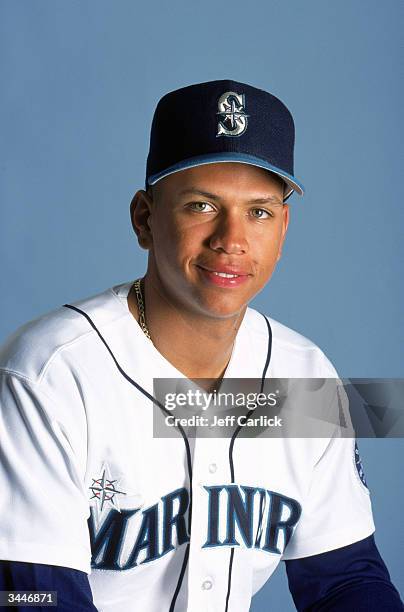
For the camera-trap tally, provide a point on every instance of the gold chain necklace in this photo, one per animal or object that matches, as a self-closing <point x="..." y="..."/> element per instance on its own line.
<point x="140" y="306"/>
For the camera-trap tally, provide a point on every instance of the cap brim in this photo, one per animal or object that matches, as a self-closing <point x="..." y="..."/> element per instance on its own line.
<point x="242" y="158"/>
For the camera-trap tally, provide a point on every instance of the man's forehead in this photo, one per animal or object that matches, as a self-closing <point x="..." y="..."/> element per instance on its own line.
<point x="220" y="181"/>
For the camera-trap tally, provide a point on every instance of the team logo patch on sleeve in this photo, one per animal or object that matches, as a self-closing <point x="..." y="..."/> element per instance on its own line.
<point x="359" y="466"/>
<point x="105" y="490"/>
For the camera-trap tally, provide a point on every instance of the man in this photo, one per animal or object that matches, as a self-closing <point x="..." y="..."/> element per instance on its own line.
<point x="181" y="523"/>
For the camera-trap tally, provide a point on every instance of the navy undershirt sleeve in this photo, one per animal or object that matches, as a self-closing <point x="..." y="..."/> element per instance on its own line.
<point x="352" y="578"/>
<point x="72" y="586"/>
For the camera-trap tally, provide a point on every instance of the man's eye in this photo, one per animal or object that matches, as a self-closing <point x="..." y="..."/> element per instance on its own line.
<point x="261" y="213"/>
<point x="201" y="207"/>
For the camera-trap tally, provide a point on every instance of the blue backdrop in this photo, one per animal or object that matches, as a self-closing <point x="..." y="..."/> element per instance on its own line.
<point x="80" y="80"/>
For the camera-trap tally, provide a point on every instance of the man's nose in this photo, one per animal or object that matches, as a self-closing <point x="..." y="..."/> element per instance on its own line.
<point x="229" y="234"/>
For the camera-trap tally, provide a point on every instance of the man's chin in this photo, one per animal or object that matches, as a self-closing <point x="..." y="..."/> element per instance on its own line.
<point x="223" y="310"/>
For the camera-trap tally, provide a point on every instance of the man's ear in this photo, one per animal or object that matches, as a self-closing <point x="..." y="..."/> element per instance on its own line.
<point x="140" y="213"/>
<point x="285" y="224"/>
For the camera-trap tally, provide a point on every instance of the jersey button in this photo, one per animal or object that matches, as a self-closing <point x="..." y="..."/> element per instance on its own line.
<point x="207" y="584"/>
<point x="212" y="468"/>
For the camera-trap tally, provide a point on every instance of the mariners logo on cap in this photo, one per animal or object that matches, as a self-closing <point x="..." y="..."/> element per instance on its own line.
<point x="233" y="119"/>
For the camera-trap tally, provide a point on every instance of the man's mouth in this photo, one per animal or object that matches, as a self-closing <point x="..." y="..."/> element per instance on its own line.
<point x="225" y="276"/>
<point x="226" y="270"/>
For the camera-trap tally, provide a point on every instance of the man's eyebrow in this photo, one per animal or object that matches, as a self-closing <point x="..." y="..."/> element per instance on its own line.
<point x="271" y="199"/>
<point x="268" y="200"/>
<point x="195" y="191"/>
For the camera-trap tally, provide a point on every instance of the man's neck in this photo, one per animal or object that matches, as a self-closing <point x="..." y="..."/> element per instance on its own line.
<point x="199" y="347"/>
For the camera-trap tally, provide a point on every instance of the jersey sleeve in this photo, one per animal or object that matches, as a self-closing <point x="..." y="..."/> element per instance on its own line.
<point x="353" y="577"/>
<point x="72" y="587"/>
<point x="43" y="502"/>
<point x="337" y="509"/>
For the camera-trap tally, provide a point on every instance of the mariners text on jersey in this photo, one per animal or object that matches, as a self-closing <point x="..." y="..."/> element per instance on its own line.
<point x="161" y="527"/>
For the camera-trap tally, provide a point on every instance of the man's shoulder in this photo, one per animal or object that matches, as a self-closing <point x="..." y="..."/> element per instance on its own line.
<point x="292" y="354"/>
<point x="32" y="347"/>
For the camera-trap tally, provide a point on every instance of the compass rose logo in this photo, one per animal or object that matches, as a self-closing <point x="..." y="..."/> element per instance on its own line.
<point x="104" y="490"/>
<point x="233" y="120"/>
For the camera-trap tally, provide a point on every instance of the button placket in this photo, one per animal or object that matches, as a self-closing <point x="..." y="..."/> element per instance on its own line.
<point x="204" y="563"/>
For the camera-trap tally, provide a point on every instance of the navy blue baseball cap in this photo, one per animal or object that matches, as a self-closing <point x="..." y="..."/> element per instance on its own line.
<point x="222" y="121"/>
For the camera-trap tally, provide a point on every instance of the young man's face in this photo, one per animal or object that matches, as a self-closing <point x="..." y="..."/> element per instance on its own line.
<point x="216" y="233"/>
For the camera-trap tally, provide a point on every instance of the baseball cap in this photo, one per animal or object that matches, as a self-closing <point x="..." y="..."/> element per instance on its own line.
<point x="222" y="121"/>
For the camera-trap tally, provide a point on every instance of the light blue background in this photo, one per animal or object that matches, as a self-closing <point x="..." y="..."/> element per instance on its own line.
<point x="79" y="83"/>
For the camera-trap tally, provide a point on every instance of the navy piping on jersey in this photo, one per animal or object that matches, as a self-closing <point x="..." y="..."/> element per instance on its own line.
<point x="188" y="451"/>
<point x="231" y="447"/>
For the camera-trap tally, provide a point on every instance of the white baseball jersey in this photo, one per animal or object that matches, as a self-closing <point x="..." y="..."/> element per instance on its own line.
<point x="85" y="484"/>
